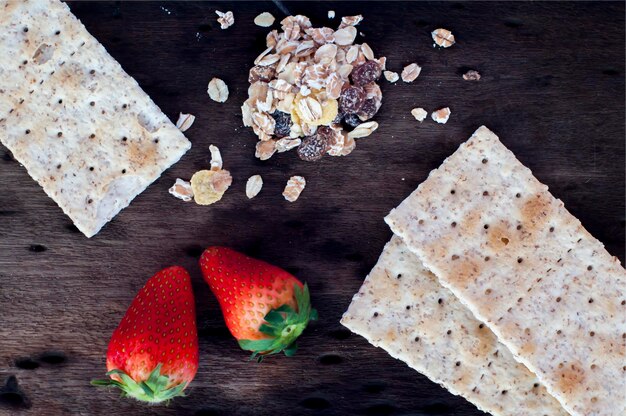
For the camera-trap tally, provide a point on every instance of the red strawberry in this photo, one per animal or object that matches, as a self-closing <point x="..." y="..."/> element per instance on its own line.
<point x="153" y="353"/>
<point x="265" y="308"/>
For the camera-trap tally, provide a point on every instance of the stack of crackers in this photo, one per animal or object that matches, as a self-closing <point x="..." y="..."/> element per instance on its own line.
<point x="81" y="126"/>
<point x="491" y="288"/>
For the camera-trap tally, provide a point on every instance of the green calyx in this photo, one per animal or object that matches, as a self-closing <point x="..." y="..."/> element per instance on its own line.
<point x="283" y="325"/>
<point x="152" y="390"/>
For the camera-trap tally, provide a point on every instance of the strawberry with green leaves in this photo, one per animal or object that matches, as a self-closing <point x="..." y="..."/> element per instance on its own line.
<point x="153" y="353"/>
<point x="265" y="308"/>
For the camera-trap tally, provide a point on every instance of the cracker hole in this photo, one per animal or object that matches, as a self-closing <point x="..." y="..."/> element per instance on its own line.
<point x="440" y="301"/>
<point x="484" y="161"/>
<point x="24" y="62"/>
<point x="519" y="259"/>
<point x="123" y="171"/>
<point x="486" y="226"/>
<point x="558" y="332"/>
<point x="486" y="258"/>
<point x="591" y="334"/>
<point x="589" y="268"/>
<point x="449" y="331"/>
<point x="624" y="302"/>
<point x="455" y="257"/>
<point x="93" y="71"/>
<point x="551" y="229"/>
<point x="505" y="240"/>
<point x="92" y="136"/>
<point x="60" y="101"/>
<point x="124" y="138"/>
<point x="60" y="134"/>
<point x="408" y="307"/>
<point x="91" y="168"/>
<point x="452" y="191"/>
<point x="488" y="292"/>
<point x="89" y="201"/>
<point x="593" y="366"/>
<point x="156" y="140"/>
<point x="58" y="32"/>
<point x="399" y="276"/>
<point x="458" y="364"/>
<point x="59" y="166"/>
<point x="420" y="222"/>
<point x="558" y="299"/>
<point x="481" y="326"/>
<point x="375" y="314"/>
<point x="518" y="195"/>
<point x="590" y="300"/>
<point x="519" y="227"/>
<point x="503" y="391"/>
<point x="453" y="224"/>
<point x="25" y="29"/>
<point x="27" y="131"/>
<point x="519" y="300"/>
<point x="594" y="399"/>
<point x="417" y="339"/>
<point x="485" y="193"/>
<point x="92" y="103"/>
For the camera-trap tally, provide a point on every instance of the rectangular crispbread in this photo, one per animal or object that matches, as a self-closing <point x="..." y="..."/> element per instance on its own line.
<point x="403" y="309"/>
<point x="87" y="134"/>
<point x="511" y="252"/>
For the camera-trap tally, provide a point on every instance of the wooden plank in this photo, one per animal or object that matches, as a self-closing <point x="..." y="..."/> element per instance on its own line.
<point x="552" y="89"/>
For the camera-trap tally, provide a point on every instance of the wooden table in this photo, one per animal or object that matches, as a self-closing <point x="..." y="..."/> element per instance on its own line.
<point x="552" y="87"/>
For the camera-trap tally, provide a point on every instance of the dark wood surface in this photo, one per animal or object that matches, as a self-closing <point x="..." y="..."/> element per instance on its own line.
<point x="552" y="89"/>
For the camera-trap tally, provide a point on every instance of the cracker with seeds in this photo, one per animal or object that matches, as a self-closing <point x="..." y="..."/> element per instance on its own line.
<point x="510" y="251"/>
<point x="87" y="133"/>
<point x="403" y="309"/>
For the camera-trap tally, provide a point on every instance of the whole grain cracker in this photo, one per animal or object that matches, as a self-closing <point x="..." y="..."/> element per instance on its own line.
<point x="527" y="268"/>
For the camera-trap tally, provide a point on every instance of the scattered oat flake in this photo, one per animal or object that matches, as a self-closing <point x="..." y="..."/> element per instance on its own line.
<point x="225" y="20"/>
<point x="471" y="75"/>
<point x="363" y="130"/>
<point x="218" y="90"/>
<point x="411" y="72"/>
<point x="294" y="188"/>
<point x="265" y="19"/>
<point x="419" y="114"/>
<point x="442" y="115"/>
<point x="443" y="37"/>
<point x="216" y="158"/>
<point x="391" y="76"/>
<point x="185" y="121"/>
<point x="182" y="190"/>
<point x="352" y="20"/>
<point x="331" y="14"/>
<point x="265" y="149"/>
<point x="253" y="186"/>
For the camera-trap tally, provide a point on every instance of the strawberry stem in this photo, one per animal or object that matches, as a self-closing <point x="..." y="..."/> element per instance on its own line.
<point x="152" y="390"/>
<point x="283" y="325"/>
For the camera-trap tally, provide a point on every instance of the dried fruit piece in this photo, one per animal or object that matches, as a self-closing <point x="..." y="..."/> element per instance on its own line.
<point x="182" y="190"/>
<point x="471" y="75"/>
<point x="351" y="99"/>
<point x="265" y="149"/>
<point x="363" y="130"/>
<point x="265" y="19"/>
<point x="261" y="73"/>
<point x="282" y="123"/>
<point x="391" y="76"/>
<point x="209" y="186"/>
<point x="411" y="72"/>
<point x="253" y="186"/>
<point x="295" y="186"/>
<point x="443" y="37"/>
<point x="285" y="144"/>
<point x="218" y="90"/>
<point x="442" y="115"/>
<point x="225" y="20"/>
<point x="185" y="121"/>
<point x="352" y="120"/>
<point x="313" y="148"/>
<point x="368" y="109"/>
<point x="419" y="114"/>
<point x="365" y="73"/>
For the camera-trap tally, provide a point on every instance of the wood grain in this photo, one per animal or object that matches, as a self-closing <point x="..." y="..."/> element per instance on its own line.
<point x="552" y="88"/>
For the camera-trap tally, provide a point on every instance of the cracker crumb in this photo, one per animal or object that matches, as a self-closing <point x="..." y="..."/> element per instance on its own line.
<point x="331" y="14"/>
<point x="391" y="76"/>
<point x="411" y="72"/>
<point x="293" y="189"/>
<point x="443" y="37"/>
<point x="442" y="115"/>
<point x="218" y="90"/>
<point x="471" y="75"/>
<point x="253" y="186"/>
<point x="265" y="19"/>
<point x="225" y="20"/>
<point x="419" y="113"/>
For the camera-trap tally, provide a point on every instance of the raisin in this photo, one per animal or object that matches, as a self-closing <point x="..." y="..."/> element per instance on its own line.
<point x="313" y="147"/>
<point x="351" y="99"/>
<point x="352" y="120"/>
<point x="339" y="117"/>
<point x="368" y="109"/>
<point x="368" y="72"/>
<point x="283" y="123"/>
<point x="325" y="132"/>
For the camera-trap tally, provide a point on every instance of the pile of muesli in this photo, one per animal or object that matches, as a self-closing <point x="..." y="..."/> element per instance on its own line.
<point x="313" y="89"/>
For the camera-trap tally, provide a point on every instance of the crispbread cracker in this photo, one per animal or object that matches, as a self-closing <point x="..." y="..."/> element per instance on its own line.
<point x="89" y="135"/>
<point x="403" y="309"/>
<point x="36" y="36"/>
<point x="510" y="251"/>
